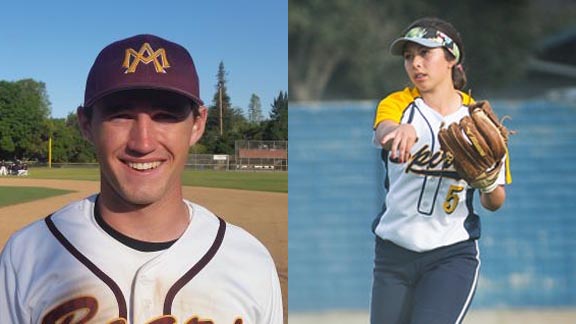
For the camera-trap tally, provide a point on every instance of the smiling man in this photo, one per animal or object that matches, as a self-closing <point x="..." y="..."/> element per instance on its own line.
<point x="137" y="252"/>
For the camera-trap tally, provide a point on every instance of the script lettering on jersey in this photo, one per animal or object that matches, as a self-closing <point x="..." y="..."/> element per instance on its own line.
<point x="194" y="320"/>
<point x="76" y="311"/>
<point x="82" y="309"/>
<point x="425" y="162"/>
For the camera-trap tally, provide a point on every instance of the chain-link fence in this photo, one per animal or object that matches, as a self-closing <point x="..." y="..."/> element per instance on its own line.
<point x="209" y="162"/>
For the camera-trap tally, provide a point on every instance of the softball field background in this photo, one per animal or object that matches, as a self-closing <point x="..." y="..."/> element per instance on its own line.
<point x="523" y="316"/>
<point x="264" y="214"/>
<point x="527" y="248"/>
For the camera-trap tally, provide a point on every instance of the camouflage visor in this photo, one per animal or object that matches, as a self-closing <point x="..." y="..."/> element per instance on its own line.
<point x="428" y="37"/>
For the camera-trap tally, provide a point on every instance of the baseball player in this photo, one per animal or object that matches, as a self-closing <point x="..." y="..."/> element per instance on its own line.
<point x="3" y="168"/>
<point x="426" y="254"/>
<point x="137" y="252"/>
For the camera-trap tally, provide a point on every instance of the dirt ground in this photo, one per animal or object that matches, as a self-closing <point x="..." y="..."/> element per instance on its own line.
<point x="263" y="214"/>
<point x="496" y="316"/>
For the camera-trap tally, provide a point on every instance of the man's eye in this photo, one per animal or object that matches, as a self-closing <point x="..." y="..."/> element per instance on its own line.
<point x="168" y="117"/>
<point x="119" y="116"/>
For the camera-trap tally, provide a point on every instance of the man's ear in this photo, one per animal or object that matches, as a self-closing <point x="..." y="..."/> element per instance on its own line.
<point x="199" y="125"/>
<point x="84" y="121"/>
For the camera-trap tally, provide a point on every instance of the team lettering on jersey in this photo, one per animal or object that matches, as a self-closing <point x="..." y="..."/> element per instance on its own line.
<point x="82" y="309"/>
<point x="424" y="162"/>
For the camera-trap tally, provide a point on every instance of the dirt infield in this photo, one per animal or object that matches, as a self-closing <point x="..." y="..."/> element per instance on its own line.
<point x="263" y="214"/>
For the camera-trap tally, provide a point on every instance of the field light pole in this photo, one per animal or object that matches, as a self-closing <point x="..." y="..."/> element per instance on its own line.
<point x="50" y="152"/>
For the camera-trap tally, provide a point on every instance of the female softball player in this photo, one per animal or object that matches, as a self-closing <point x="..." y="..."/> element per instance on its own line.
<point x="426" y="254"/>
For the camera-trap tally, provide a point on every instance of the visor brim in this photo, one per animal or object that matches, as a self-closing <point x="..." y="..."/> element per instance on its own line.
<point x="397" y="47"/>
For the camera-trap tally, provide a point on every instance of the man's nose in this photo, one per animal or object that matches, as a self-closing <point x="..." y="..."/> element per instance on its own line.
<point x="142" y="137"/>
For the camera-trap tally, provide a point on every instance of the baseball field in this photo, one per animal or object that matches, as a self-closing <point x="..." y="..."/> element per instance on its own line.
<point x="255" y="201"/>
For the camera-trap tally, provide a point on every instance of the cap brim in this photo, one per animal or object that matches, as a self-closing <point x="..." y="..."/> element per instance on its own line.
<point x="397" y="47"/>
<point x="143" y="87"/>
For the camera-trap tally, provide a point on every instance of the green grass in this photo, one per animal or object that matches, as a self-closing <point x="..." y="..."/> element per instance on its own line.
<point x="256" y="181"/>
<point x="16" y="195"/>
<point x="92" y="174"/>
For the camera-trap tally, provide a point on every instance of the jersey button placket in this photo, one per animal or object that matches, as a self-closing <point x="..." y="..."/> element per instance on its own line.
<point x="143" y="297"/>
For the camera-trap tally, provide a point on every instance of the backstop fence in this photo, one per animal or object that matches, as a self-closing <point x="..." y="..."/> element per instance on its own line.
<point x="248" y="156"/>
<point x="262" y="155"/>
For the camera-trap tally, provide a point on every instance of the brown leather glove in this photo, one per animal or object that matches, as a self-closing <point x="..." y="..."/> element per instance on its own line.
<point x="477" y="146"/>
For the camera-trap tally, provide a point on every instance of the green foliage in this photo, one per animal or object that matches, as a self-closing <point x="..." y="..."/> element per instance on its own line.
<point x="235" y="125"/>
<point x="277" y="127"/>
<point x="222" y="119"/>
<point x="340" y="49"/>
<point x="68" y="144"/>
<point x="24" y="109"/>
<point x="25" y="126"/>
<point x="255" y="109"/>
<point x="326" y="36"/>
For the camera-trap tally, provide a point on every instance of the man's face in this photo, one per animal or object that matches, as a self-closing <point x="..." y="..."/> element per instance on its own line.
<point x="142" y="140"/>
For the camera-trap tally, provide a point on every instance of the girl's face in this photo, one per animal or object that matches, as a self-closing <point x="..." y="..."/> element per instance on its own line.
<point x="428" y="68"/>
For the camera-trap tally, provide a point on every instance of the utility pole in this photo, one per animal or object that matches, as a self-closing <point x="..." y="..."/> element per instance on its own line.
<point x="221" y="109"/>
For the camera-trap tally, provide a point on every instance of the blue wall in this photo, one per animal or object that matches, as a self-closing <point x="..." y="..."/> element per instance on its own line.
<point x="528" y="247"/>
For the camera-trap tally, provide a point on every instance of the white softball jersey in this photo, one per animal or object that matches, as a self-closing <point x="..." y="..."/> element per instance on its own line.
<point x="67" y="269"/>
<point x="427" y="205"/>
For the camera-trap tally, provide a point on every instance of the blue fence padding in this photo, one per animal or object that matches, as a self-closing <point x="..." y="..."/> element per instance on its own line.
<point x="528" y="247"/>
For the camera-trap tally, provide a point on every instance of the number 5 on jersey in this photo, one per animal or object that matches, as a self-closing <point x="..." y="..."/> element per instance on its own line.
<point x="452" y="198"/>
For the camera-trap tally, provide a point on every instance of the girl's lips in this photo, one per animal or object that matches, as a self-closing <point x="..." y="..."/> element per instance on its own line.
<point x="419" y="76"/>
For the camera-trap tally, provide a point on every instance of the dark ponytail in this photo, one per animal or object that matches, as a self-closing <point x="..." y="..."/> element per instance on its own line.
<point x="458" y="76"/>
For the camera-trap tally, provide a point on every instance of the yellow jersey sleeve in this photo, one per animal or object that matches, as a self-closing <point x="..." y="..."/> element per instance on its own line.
<point x="392" y="107"/>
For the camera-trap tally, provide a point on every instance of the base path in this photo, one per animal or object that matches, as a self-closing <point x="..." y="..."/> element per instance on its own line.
<point x="263" y="214"/>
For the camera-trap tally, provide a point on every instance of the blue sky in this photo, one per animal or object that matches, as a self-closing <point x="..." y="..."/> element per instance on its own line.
<point x="56" y="42"/>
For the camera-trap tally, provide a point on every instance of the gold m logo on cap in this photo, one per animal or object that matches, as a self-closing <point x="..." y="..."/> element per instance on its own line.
<point x="158" y="57"/>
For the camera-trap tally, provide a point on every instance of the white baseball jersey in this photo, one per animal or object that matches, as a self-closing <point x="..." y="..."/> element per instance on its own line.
<point x="427" y="204"/>
<point x="68" y="269"/>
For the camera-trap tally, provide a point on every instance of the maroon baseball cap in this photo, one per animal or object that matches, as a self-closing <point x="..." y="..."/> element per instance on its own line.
<point x="142" y="62"/>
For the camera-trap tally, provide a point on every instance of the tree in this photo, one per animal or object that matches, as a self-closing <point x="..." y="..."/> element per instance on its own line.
<point x="340" y="49"/>
<point x="68" y="144"/>
<point x="326" y="36"/>
<point x="255" y="110"/>
<point x="215" y="139"/>
<point x="24" y="110"/>
<point x="80" y="150"/>
<point x="220" y="101"/>
<point x="277" y="126"/>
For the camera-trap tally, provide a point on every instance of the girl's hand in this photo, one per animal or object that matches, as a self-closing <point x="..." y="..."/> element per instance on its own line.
<point x="397" y="139"/>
